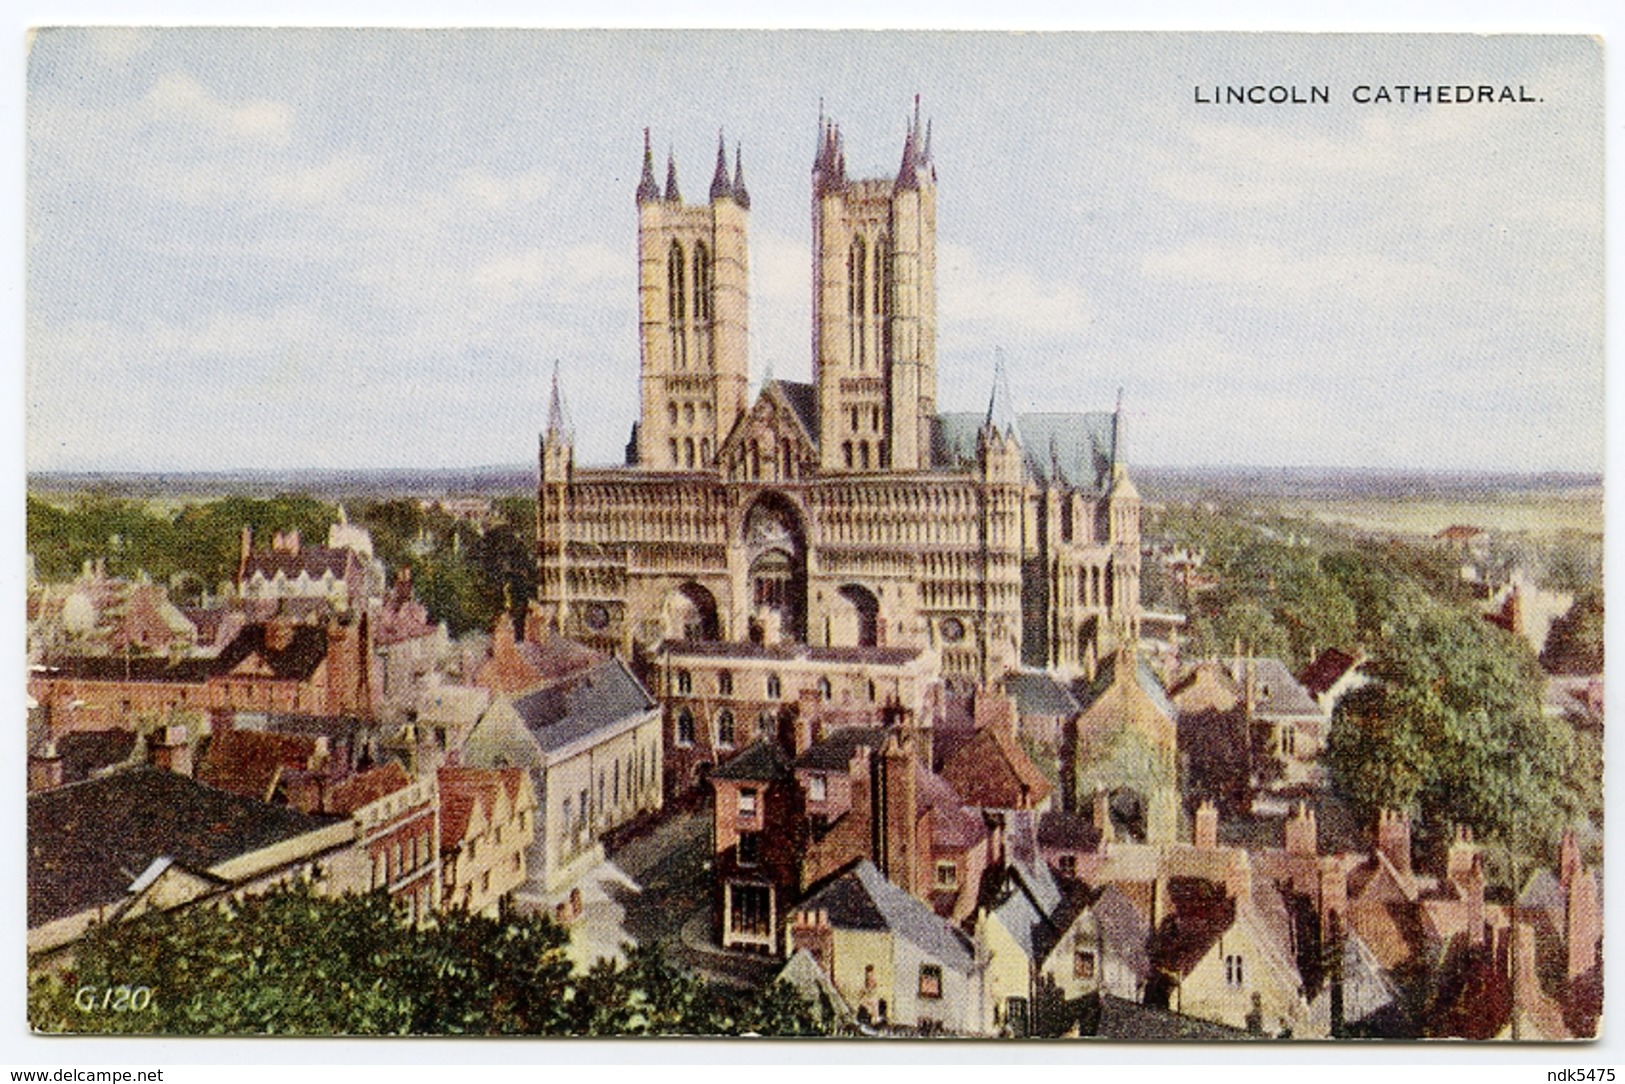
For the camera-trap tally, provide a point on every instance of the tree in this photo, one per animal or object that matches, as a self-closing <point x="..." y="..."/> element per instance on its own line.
<point x="1452" y="728"/>
<point x="293" y="962"/>
<point x="1574" y="642"/>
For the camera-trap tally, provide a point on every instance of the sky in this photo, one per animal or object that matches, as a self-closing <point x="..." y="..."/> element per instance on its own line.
<point x="283" y="249"/>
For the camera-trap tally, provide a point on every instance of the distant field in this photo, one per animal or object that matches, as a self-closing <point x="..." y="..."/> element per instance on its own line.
<point x="1534" y="513"/>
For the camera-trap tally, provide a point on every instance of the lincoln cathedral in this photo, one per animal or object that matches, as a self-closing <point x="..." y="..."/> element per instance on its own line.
<point x="847" y="512"/>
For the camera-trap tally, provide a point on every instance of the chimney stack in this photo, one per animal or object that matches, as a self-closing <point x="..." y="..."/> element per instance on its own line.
<point x="169" y="748"/>
<point x="1302" y="832"/>
<point x="1394" y="838"/>
<point x="1207" y="827"/>
<point x="45" y="767"/>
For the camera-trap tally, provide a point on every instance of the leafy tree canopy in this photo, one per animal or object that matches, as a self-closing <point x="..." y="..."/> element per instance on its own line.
<point x="295" y="963"/>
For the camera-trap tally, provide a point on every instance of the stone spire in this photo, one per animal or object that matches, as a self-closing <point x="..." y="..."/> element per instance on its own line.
<point x="741" y="196"/>
<point x="829" y="165"/>
<point x="721" y="187"/>
<point x="648" y="191"/>
<point x="1001" y="408"/>
<point x="558" y="416"/>
<point x="1118" y="458"/>
<point x="672" y="194"/>
<point x="908" y="173"/>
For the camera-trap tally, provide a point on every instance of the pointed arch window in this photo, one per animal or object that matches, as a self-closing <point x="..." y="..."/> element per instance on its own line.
<point x="677" y="305"/>
<point x="704" y="302"/>
<point x="857" y="300"/>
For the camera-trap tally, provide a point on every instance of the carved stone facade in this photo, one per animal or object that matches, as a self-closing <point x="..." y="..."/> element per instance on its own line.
<point x="846" y="512"/>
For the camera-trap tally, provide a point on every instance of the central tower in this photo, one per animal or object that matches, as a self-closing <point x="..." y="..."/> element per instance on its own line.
<point x="875" y="307"/>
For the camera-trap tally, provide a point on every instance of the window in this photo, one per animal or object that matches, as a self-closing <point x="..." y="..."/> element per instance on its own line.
<point x="765" y="724"/>
<point x="846" y="451"/>
<point x="725" y="727"/>
<point x="498" y="834"/>
<point x="725" y="682"/>
<point x="749" y="850"/>
<point x="380" y="870"/>
<point x="775" y="689"/>
<point x="685" y="727"/>
<point x="685" y="682"/>
<point x="947" y="875"/>
<point x="1069" y="865"/>
<point x="1083" y="964"/>
<point x="518" y="861"/>
<point x="817" y="790"/>
<point x="1232" y="971"/>
<point x="615" y="793"/>
<point x="485" y="881"/>
<point x="566" y="815"/>
<point x="747" y="801"/>
<point x="871" y="692"/>
<point x="930" y="980"/>
<point x="824" y="690"/>
<point x="1289" y="740"/>
<point x="750" y="909"/>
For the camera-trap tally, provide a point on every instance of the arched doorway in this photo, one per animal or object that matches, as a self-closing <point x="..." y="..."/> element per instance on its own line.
<point x="690" y="613"/>
<point x="855" y="621"/>
<point x="776" y="558"/>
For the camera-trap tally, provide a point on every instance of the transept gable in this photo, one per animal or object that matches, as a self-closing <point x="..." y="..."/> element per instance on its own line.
<point x="772" y="422"/>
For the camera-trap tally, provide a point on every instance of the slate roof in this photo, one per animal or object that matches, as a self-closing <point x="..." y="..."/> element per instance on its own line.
<point x="1144" y="676"/>
<point x="1125" y="1021"/>
<point x="313" y="560"/>
<point x="1071" y="449"/>
<point x="88" y="841"/>
<point x="1038" y="693"/>
<point x="595" y="699"/>
<point x="1276" y="690"/>
<point x="764" y="761"/>
<point x="1063" y="831"/>
<point x="1124" y="931"/>
<point x="83" y="752"/>
<point x="834" y="753"/>
<point x="862" y="899"/>
<point x="717" y="649"/>
<point x="803" y="399"/>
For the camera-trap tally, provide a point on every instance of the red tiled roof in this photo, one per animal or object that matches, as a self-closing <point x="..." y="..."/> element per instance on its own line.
<point x="249" y="762"/>
<point x="990" y="770"/>
<point x="367" y="787"/>
<point x="1326" y="670"/>
<point x="462" y="790"/>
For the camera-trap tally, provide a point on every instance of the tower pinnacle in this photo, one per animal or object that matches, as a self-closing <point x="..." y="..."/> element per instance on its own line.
<point x="741" y="195"/>
<point x="558" y="416"/>
<point x="720" y="186"/>
<point x="648" y="191"/>
<point x="672" y="194"/>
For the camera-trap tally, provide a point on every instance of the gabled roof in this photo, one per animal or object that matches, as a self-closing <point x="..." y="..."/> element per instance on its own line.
<point x="1326" y="670"/>
<point x="1201" y="913"/>
<point x="1063" y="831"/>
<point x="1276" y="691"/>
<point x="990" y="770"/>
<point x="1124" y="931"/>
<point x="1039" y="693"/>
<point x="834" y="753"/>
<point x="763" y="762"/>
<point x="862" y="899"/>
<point x="802" y="399"/>
<point x="314" y="561"/>
<point x="463" y="791"/>
<point x="1142" y="675"/>
<point x="599" y="698"/>
<point x="249" y="762"/>
<point x="88" y="841"/>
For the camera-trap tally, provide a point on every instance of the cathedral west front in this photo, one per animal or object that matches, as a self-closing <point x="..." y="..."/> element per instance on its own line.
<point x="845" y="512"/>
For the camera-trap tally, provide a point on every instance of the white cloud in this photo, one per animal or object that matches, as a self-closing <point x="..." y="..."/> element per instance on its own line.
<point x="503" y="193"/>
<point x="1277" y="276"/>
<point x="974" y="290"/>
<point x="177" y="97"/>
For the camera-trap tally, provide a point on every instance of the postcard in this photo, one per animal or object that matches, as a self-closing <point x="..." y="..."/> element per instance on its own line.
<point x="1065" y="536"/>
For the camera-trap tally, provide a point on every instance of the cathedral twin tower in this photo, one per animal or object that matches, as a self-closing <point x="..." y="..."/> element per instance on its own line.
<point x="874" y="311"/>
<point x="843" y="513"/>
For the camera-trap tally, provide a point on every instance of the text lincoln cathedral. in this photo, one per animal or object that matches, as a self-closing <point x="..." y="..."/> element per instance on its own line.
<point x="847" y="513"/>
